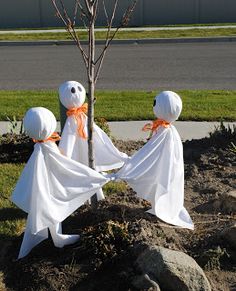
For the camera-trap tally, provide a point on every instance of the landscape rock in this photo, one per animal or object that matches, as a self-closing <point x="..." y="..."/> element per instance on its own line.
<point x="173" y="270"/>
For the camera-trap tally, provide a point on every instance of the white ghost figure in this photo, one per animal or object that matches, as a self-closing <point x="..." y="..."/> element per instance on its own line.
<point x="51" y="185"/>
<point x="74" y="136"/>
<point x="156" y="171"/>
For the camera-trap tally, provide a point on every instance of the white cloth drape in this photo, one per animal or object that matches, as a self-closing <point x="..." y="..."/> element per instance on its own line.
<point x="51" y="186"/>
<point x="107" y="156"/>
<point x="156" y="171"/>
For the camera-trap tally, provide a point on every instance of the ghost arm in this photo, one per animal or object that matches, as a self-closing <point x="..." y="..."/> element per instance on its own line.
<point x="107" y="156"/>
<point x="70" y="184"/>
<point x="146" y="167"/>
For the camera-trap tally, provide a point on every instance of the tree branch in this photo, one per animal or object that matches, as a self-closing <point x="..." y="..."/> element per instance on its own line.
<point x="83" y="12"/>
<point x="83" y="15"/>
<point x="69" y="24"/>
<point x="96" y="10"/>
<point x="105" y="12"/>
<point x="75" y="11"/>
<point x="101" y="57"/>
<point x="70" y="28"/>
<point x="58" y="13"/>
<point x="126" y="16"/>
<point x="87" y="4"/>
<point x="109" y="37"/>
<point x="78" y="43"/>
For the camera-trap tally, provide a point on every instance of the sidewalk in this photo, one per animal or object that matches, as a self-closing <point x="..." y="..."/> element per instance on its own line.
<point x="131" y="130"/>
<point x="188" y="130"/>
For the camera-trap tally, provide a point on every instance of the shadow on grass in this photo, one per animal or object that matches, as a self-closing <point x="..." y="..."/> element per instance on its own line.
<point x="11" y="214"/>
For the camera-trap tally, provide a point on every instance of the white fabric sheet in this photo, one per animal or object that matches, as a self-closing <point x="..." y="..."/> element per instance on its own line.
<point x="107" y="156"/>
<point x="39" y="123"/>
<point x="156" y="171"/>
<point x="51" y="186"/>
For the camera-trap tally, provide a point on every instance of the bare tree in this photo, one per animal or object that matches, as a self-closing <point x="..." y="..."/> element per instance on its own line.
<point x="85" y="13"/>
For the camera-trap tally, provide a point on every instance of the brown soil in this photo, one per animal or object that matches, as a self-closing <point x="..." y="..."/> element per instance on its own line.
<point x="113" y="235"/>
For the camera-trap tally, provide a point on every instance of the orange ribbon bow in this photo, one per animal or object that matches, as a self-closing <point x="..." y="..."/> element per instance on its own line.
<point x="79" y="115"/>
<point x="54" y="137"/>
<point x="155" y="124"/>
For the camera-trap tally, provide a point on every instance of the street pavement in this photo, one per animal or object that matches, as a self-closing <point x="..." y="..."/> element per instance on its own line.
<point x="131" y="130"/>
<point x="165" y="66"/>
<point x="157" y="64"/>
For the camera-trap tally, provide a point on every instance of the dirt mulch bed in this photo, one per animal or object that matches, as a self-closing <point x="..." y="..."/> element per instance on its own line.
<point x="113" y="235"/>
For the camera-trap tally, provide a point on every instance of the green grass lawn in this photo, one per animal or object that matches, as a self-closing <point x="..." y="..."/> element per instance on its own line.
<point x="12" y="220"/>
<point x="123" y="34"/>
<point x="199" y="105"/>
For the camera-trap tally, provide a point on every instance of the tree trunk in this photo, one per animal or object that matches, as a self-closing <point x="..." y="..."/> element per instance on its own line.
<point x="91" y="87"/>
<point x="87" y="11"/>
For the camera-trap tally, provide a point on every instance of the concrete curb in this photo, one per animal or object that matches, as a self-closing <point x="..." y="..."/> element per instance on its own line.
<point x="122" y="41"/>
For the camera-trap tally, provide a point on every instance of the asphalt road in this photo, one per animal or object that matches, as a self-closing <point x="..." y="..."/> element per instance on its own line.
<point x="134" y="66"/>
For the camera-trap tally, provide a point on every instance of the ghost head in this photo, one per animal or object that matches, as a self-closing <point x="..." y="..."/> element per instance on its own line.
<point x="167" y="106"/>
<point x="72" y="94"/>
<point x="39" y="123"/>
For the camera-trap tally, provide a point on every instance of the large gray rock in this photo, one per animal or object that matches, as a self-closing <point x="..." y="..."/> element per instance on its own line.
<point x="172" y="270"/>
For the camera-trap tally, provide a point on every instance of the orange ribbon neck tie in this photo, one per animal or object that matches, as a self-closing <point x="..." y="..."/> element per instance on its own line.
<point x="79" y="114"/>
<point x="155" y="124"/>
<point x="54" y="137"/>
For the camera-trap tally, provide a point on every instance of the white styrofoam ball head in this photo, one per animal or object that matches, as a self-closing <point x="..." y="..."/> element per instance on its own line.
<point x="167" y="106"/>
<point x="39" y="123"/>
<point x="72" y="94"/>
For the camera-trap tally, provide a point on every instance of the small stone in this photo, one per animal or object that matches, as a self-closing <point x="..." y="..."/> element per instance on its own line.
<point x="228" y="202"/>
<point x="229" y="234"/>
<point x="216" y="205"/>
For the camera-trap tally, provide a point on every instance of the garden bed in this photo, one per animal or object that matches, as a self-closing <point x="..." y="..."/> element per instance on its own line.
<point x="113" y="235"/>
